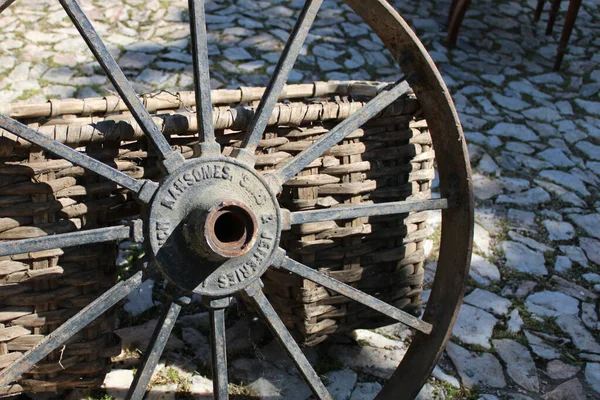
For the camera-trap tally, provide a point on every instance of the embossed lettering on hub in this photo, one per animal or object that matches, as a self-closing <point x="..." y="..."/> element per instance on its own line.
<point x="162" y="231"/>
<point x="246" y="183"/>
<point x="240" y="274"/>
<point x="198" y="174"/>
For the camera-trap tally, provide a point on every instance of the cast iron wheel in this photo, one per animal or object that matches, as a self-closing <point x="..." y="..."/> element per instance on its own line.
<point x="213" y="224"/>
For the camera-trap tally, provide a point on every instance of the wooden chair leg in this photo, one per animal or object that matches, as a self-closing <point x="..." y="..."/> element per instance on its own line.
<point x="553" y="14"/>
<point x="538" y="10"/>
<point x="452" y="10"/>
<point x="572" y="12"/>
<point x="456" y="18"/>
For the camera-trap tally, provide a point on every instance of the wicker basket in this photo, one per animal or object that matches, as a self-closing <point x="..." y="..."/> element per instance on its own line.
<point x="389" y="159"/>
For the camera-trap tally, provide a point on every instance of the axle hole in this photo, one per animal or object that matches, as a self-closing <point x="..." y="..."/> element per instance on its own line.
<point x="232" y="227"/>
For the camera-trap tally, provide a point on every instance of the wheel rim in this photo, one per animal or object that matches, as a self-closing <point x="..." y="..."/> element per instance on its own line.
<point x="234" y="232"/>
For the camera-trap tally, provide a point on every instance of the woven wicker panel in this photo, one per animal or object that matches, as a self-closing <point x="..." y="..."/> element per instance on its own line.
<point x="389" y="159"/>
<point x="39" y="291"/>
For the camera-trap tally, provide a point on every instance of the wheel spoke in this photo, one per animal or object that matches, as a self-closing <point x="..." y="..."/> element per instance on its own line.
<point x="99" y="235"/>
<point x="282" y="71"/>
<point x="4" y="4"/>
<point x="343" y="129"/>
<point x="171" y="159"/>
<point x="287" y="341"/>
<point x="69" y="328"/>
<point x="367" y="210"/>
<point x="83" y="160"/>
<point x="218" y="347"/>
<point x="159" y="339"/>
<point x="356" y="295"/>
<point x="202" y="78"/>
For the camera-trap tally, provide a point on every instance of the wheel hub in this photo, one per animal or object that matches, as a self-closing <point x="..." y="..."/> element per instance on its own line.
<point x="214" y="226"/>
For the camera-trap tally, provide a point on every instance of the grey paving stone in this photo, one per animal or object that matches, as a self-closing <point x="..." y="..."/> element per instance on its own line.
<point x="534" y="244"/>
<point x="590" y="223"/>
<point x="515" y="322"/>
<point x="591" y="150"/>
<point x="544" y="114"/>
<point x="556" y="157"/>
<point x="570" y="390"/>
<point x="237" y="54"/>
<point x="511" y="103"/>
<point x="559" y="230"/>
<point x="484" y="187"/>
<point x="340" y="384"/>
<point x="365" y="391"/>
<point x="562" y="264"/>
<point x="136" y="60"/>
<point x="440" y="375"/>
<point x="522" y="218"/>
<point x="582" y="338"/>
<point x="516" y="131"/>
<point x="540" y="348"/>
<point x="488" y="301"/>
<point x="589" y="316"/>
<point x="592" y="376"/>
<point x="377" y="362"/>
<point x="591" y="107"/>
<point x="519" y="364"/>
<point x="520" y="258"/>
<point x="557" y="369"/>
<point x="591" y="248"/>
<point x="153" y="76"/>
<point x="514" y="184"/>
<point x="575" y="254"/>
<point x="566" y="180"/>
<point x="475" y="369"/>
<point x="552" y="304"/>
<point x="474" y="326"/>
<point x="529" y="197"/>
<point x="482" y="271"/>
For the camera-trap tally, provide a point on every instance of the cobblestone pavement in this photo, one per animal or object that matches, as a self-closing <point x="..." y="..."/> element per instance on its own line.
<point x="529" y="326"/>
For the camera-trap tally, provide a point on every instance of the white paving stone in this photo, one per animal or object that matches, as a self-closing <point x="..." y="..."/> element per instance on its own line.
<point x="483" y="271"/>
<point x="340" y="383"/>
<point x="482" y="239"/>
<point x="519" y="364"/>
<point x="562" y="264"/>
<point x="377" y="362"/>
<point x="567" y="180"/>
<point x="520" y="258"/>
<point x="520" y="132"/>
<point x="559" y="230"/>
<point x="589" y="316"/>
<point x="140" y="299"/>
<point x="475" y="369"/>
<point x="592" y="376"/>
<point x="533" y="196"/>
<point x="556" y="157"/>
<point x="474" y="326"/>
<point x="440" y="375"/>
<point x="515" y="322"/>
<point x="540" y="348"/>
<point x="552" y="304"/>
<point x="591" y="247"/>
<point x="531" y="243"/>
<point x="589" y="223"/>
<point x="582" y="338"/>
<point x="488" y="301"/>
<point x="485" y="188"/>
<point x="575" y="254"/>
<point x="365" y="391"/>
